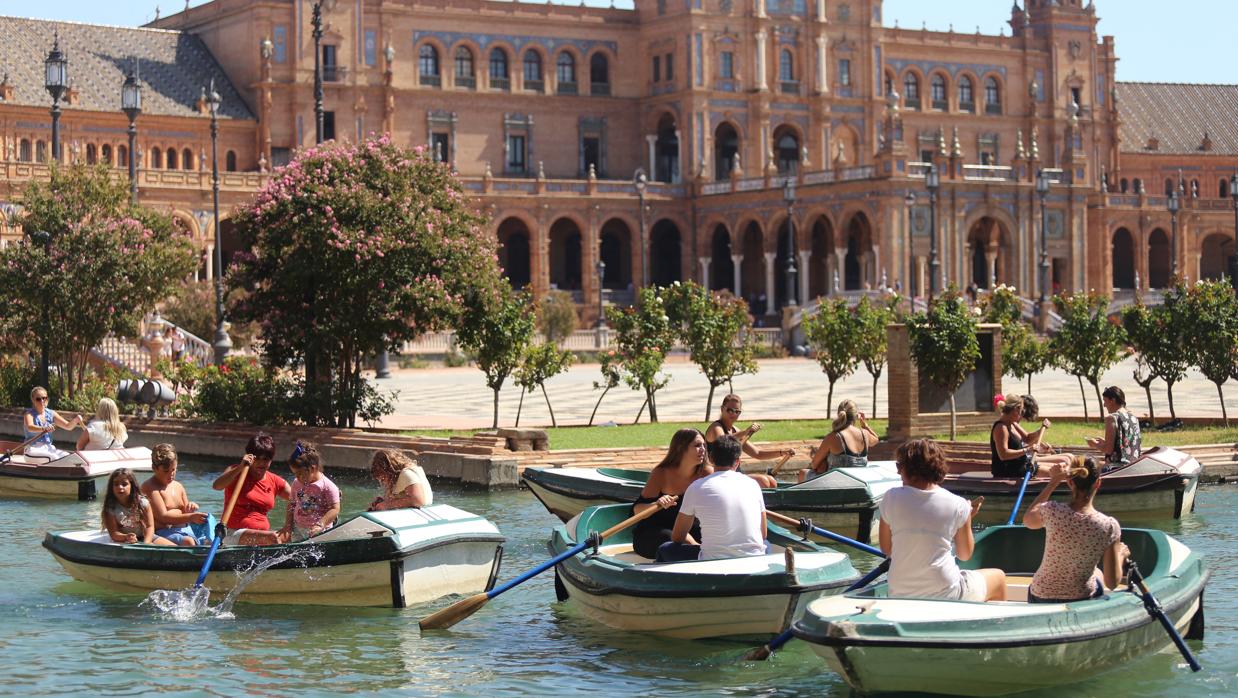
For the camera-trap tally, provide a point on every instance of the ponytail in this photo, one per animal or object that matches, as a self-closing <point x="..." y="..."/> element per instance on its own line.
<point x="845" y="416"/>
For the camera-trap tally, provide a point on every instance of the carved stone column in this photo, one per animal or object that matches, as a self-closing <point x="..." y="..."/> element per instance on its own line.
<point x="759" y="63"/>
<point x="805" y="258"/>
<point x="704" y="262"/>
<point x="652" y="140"/>
<point x="770" y="257"/>
<point x="737" y="265"/>
<point x="823" y="84"/>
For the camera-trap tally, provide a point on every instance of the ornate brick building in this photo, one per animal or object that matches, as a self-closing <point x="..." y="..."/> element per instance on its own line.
<point x="550" y="113"/>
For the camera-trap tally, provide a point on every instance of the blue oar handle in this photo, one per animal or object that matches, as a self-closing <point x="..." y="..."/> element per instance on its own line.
<point x="1019" y="500"/>
<point x="805" y="525"/>
<point x="1154" y="609"/>
<point x="591" y="541"/>
<point x="785" y="636"/>
<point x="220" y="531"/>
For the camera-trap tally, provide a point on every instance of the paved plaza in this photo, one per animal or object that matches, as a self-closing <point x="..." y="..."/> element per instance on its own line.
<point x="457" y="398"/>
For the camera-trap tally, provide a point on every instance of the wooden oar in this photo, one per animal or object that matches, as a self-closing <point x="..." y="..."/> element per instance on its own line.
<point x="788" y="521"/>
<point x="1154" y="609"/>
<point x="780" y="463"/>
<point x="464" y="608"/>
<point x="8" y="455"/>
<point x="221" y="528"/>
<point x="1019" y="500"/>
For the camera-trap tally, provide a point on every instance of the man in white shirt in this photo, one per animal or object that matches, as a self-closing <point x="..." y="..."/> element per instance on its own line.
<point x="729" y="506"/>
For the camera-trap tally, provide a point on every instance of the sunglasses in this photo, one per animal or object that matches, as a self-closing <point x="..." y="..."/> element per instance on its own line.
<point x="41" y="398"/>
<point x="734" y="411"/>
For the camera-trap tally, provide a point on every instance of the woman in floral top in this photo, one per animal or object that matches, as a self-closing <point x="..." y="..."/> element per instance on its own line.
<point x="1122" y="440"/>
<point x="1077" y="537"/>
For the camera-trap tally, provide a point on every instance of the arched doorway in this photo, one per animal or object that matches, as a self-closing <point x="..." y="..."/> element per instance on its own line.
<point x="726" y="147"/>
<point x="820" y="263"/>
<point x="787" y="150"/>
<point x="752" y="270"/>
<point x="1123" y="258"/>
<point x="856" y="274"/>
<point x="565" y="257"/>
<point x="1215" y="256"/>
<point x="721" y="267"/>
<point x="616" y="250"/>
<point x="666" y="151"/>
<point x="513" y="237"/>
<point x="664" y="253"/>
<point x="1158" y="259"/>
<point x="989" y="254"/>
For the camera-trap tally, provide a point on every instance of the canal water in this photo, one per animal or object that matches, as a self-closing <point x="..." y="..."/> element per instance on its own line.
<point x="62" y="637"/>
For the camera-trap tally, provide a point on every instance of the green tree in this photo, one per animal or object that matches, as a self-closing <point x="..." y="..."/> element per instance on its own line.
<point x="1213" y="316"/>
<point x="832" y="333"/>
<point x="556" y="316"/>
<point x="611" y="377"/>
<point x="496" y="330"/>
<point x="643" y="337"/>
<point x="1158" y="334"/>
<point x="1087" y="343"/>
<point x="872" y="337"/>
<point x="92" y="264"/>
<point x="357" y="248"/>
<point x="541" y="363"/>
<point x="944" y="345"/>
<point x="716" y="329"/>
<point x="1024" y="354"/>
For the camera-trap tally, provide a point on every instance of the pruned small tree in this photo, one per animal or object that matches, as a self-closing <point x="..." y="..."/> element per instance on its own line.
<point x="1213" y="316"/>
<point x="1087" y="343"/>
<point x="1024" y="354"/>
<point x="541" y="363"/>
<point x="1157" y="334"/>
<point x="643" y="338"/>
<point x="944" y="345"/>
<point x="716" y="329"/>
<point x="832" y="334"/>
<point x="611" y="377"/>
<point x="872" y="338"/>
<point x="556" y="316"/>
<point x="496" y="329"/>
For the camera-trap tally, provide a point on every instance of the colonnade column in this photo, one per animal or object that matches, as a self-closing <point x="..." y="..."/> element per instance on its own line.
<point x="990" y="258"/>
<point x="678" y="174"/>
<point x="839" y="282"/>
<point x="822" y="47"/>
<point x="760" y="61"/>
<point x="210" y="262"/>
<point x="652" y="140"/>
<point x="737" y="263"/>
<point x="769" y="282"/>
<point x="805" y="258"/>
<point x="704" y="262"/>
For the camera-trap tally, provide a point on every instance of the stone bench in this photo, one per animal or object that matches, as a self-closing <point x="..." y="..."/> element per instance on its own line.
<point x="525" y="439"/>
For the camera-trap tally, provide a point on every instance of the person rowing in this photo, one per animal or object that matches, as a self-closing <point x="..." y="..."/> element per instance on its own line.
<point x="846" y="445"/>
<point x="1013" y="450"/>
<point x="732" y="408"/>
<point x="683" y="465"/>
<point x="41" y="419"/>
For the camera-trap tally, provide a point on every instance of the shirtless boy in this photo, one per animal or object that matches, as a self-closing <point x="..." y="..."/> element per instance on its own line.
<point x="170" y="503"/>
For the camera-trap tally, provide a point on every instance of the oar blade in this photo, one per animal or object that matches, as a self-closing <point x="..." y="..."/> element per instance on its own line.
<point x="759" y="654"/>
<point x="454" y="613"/>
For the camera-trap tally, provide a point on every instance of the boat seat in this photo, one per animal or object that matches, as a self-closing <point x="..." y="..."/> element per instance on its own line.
<point x="1018" y="585"/>
<point x="976" y="475"/>
<point x="624" y="553"/>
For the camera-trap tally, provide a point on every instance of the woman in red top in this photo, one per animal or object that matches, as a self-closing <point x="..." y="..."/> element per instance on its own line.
<point x="248" y="524"/>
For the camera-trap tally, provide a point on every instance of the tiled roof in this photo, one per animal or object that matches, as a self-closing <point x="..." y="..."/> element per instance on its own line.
<point x="1178" y="116"/>
<point x="173" y="66"/>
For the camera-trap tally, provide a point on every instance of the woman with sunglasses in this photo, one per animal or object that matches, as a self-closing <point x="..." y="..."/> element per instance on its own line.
<point x="732" y="408"/>
<point x="42" y="419"/>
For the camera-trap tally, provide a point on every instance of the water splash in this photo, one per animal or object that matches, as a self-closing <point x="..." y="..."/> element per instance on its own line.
<point x="187" y="605"/>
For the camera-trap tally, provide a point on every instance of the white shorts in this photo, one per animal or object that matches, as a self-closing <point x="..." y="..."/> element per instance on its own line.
<point x="41" y="451"/>
<point x="972" y="586"/>
<point x="234" y="536"/>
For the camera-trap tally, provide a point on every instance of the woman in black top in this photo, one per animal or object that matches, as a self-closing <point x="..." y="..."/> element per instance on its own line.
<point x="1013" y="450"/>
<point x="732" y="407"/>
<point x="684" y="463"/>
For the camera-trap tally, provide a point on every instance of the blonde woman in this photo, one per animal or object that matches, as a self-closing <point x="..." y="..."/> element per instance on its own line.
<point x="42" y="421"/>
<point x="846" y="445"/>
<point x="1014" y="451"/>
<point x="105" y="430"/>
<point x="404" y="482"/>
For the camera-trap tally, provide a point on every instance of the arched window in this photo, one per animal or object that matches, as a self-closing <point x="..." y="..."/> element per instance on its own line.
<point x="599" y="74"/>
<point x="967" y="95"/>
<point x="1124" y="185"/>
<point x="1223" y="188"/>
<point x="911" y="91"/>
<point x="105" y="153"/>
<point x="499" y="78"/>
<point x="122" y="156"/>
<point x="156" y="159"/>
<point x="1138" y="182"/>
<point x="889" y="83"/>
<point x="92" y="154"/>
<point x="24" y="152"/>
<point x="427" y="66"/>
<point x="464" y="67"/>
<point x="1169" y="186"/>
<point x="230" y="160"/>
<point x="171" y="155"/>
<point x="40" y="151"/>
<point x="187" y="159"/>
<point x="565" y="73"/>
<point x="992" y="96"/>
<point x="533" y="71"/>
<point x="786" y="66"/>
<point x="937" y="92"/>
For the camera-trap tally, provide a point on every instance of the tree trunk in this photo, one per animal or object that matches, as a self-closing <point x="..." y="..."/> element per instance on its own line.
<point x="1029" y="384"/>
<point x="495" y="424"/>
<point x="709" y="401"/>
<point x="954" y="423"/>
<point x="1169" y="389"/>
<point x="1084" y="395"/>
<point x="653" y="409"/>
<point x="875" y="377"/>
<point x="730" y="386"/>
<point x="1224" y="414"/>
<point x="829" y="401"/>
<point x="641" y="411"/>
<point x="519" y="407"/>
<point x="1147" y="388"/>
<point x="553" y="423"/>
<point x="1101" y="410"/>
<point x="598" y="404"/>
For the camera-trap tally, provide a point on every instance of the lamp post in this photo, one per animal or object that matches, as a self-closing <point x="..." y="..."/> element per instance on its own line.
<point x="131" y="105"/>
<point x="1174" y="205"/>
<point x="640" y="181"/>
<point x="932" y="181"/>
<point x="1233" y="260"/>
<point x="601" y="269"/>
<point x="223" y="343"/>
<point x="788" y="195"/>
<point x="909" y="275"/>
<point x="56" y="80"/>
<point x="316" y="21"/>
<point x="1042" y="191"/>
<point x="44" y="238"/>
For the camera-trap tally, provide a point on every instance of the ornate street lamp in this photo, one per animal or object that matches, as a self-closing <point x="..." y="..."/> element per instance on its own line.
<point x="909" y="274"/>
<point x="788" y="195"/>
<point x="1174" y="205"/>
<point x="56" y="80"/>
<point x="1042" y="191"/>
<point x="316" y="21"/>
<point x="932" y="181"/>
<point x="131" y="105"/>
<point x="640" y="182"/>
<point x="601" y="269"/>
<point x="223" y="343"/>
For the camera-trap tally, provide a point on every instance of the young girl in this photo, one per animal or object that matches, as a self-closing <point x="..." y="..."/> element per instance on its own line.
<point x="315" y="502"/>
<point x="42" y="419"/>
<point x="126" y="513"/>
<point x="404" y="483"/>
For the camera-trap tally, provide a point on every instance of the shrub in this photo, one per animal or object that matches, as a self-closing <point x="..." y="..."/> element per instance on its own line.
<point x="556" y="316"/>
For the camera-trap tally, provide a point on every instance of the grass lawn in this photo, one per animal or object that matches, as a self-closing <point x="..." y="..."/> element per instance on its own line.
<point x="631" y="435"/>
